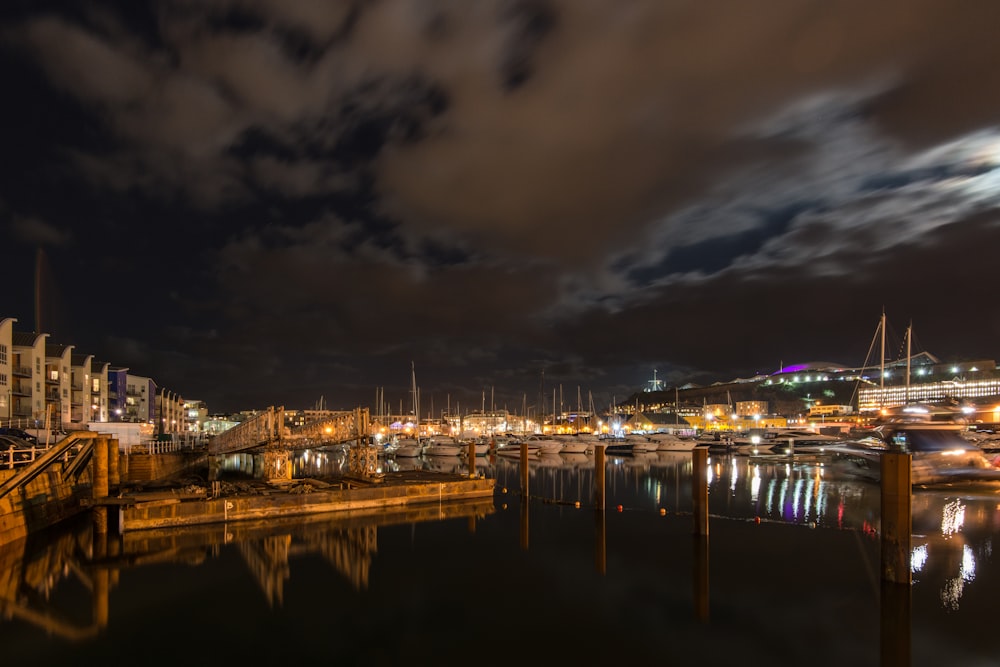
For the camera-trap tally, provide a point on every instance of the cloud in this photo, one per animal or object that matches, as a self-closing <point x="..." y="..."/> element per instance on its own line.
<point x="508" y="184"/>
<point x="38" y="232"/>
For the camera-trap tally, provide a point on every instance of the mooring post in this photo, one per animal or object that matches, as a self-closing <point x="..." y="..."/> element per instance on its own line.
<point x="599" y="491"/>
<point x="472" y="459"/>
<point x="699" y="578"/>
<point x="100" y="579"/>
<point x="600" y="542"/>
<point x="100" y="483"/>
<point x="524" y="470"/>
<point x="897" y="494"/>
<point x="700" y="490"/>
<point x="114" y="464"/>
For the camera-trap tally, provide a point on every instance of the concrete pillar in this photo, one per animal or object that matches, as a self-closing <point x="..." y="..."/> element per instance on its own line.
<point x="699" y="479"/>
<point x="897" y="493"/>
<point x="100" y="463"/>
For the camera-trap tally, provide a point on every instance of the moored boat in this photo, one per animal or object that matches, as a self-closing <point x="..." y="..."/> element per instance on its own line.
<point x="939" y="454"/>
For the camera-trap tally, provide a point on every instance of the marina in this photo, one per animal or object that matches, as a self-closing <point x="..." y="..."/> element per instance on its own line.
<point x="788" y="572"/>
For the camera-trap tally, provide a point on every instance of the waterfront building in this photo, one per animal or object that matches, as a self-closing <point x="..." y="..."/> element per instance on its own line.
<point x="82" y="406"/>
<point x="168" y="408"/>
<point x="58" y="383"/>
<point x="27" y="376"/>
<point x="195" y="415"/>
<point x="6" y="369"/>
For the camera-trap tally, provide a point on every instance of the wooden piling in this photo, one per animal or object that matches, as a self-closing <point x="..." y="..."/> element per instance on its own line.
<point x="100" y="463"/>
<point x="472" y="459"/>
<point x="600" y="542"/>
<point x="699" y="577"/>
<point x="524" y="470"/>
<point x="599" y="490"/>
<point x="114" y="464"/>
<point x="897" y="493"/>
<point x="700" y="490"/>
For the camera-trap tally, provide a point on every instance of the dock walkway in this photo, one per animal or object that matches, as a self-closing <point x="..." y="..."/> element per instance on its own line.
<point x="186" y="505"/>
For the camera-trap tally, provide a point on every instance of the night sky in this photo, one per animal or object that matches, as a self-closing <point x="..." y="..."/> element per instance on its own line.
<point x="266" y="202"/>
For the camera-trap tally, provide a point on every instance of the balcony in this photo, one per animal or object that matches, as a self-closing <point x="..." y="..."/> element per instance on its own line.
<point x="21" y="371"/>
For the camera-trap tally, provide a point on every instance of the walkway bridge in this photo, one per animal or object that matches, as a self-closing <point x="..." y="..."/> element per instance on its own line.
<point x="267" y="430"/>
<point x="74" y="451"/>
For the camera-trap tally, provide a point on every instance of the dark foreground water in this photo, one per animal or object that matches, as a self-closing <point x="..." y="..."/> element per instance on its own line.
<point x="789" y="575"/>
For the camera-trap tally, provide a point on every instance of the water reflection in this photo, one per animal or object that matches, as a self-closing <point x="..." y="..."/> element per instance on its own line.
<point x="789" y="543"/>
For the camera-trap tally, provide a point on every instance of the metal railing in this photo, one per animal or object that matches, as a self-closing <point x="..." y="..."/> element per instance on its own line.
<point x="15" y="457"/>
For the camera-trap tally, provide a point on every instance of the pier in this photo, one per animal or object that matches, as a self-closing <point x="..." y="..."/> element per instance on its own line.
<point x="87" y="470"/>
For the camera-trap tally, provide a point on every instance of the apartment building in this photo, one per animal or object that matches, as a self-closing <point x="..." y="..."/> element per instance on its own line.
<point x="44" y="383"/>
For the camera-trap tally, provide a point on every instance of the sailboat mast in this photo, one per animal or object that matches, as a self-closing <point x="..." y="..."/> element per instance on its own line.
<point x="554" y="409"/>
<point x="881" y="372"/>
<point x="909" y="339"/>
<point x="416" y="399"/>
<point x="677" y="416"/>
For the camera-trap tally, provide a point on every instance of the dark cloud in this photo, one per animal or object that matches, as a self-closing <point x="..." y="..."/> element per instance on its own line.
<point x="261" y="202"/>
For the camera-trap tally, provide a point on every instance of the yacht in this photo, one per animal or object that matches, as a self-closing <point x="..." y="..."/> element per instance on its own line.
<point x="443" y="445"/>
<point x="940" y="455"/>
<point x="405" y="448"/>
<point x="668" y="442"/>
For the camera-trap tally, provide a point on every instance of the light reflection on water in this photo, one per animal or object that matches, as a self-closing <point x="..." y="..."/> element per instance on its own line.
<point x="788" y="575"/>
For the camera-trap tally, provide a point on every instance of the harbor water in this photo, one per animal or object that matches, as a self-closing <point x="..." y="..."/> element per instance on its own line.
<point x="789" y="574"/>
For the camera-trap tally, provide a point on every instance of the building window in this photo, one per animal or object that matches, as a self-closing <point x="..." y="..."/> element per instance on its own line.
<point x="3" y="354"/>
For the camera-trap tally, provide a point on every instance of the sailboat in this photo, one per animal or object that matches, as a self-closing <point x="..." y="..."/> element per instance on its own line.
<point x="931" y="434"/>
<point x="410" y="446"/>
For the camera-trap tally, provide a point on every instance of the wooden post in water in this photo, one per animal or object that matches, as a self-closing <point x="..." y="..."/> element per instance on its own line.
<point x="524" y="471"/>
<point x="600" y="539"/>
<point x="700" y="490"/>
<point x="472" y="459"/>
<point x="524" y="522"/>
<point x="699" y="576"/>
<point x="114" y="464"/>
<point x="100" y="463"/>
<point x="101" y="577"/>
<point x="897" y="493"/>
<point x="599" y="491"/>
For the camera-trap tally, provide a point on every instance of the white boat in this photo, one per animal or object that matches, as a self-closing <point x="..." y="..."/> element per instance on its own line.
<point x="406" y="448"/>
<point x="534" y="443"/>
<point x="480" y="445"/>
<point x="575" y="444"/>
<point x="791" y="440"/>
<point x="939" y="455"/>
<point x="641" y="444"/>
<point x="444" y="445"/>
<point x="629" y="446"/>
<point x="544" y="444"/>
<point x="667" y="442"/>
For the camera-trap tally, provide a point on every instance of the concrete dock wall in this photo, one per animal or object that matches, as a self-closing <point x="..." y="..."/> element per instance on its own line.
<point x="179" y="512"/>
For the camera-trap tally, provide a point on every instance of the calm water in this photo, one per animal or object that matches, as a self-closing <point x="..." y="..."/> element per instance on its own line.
<point x="789" y="575"/>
